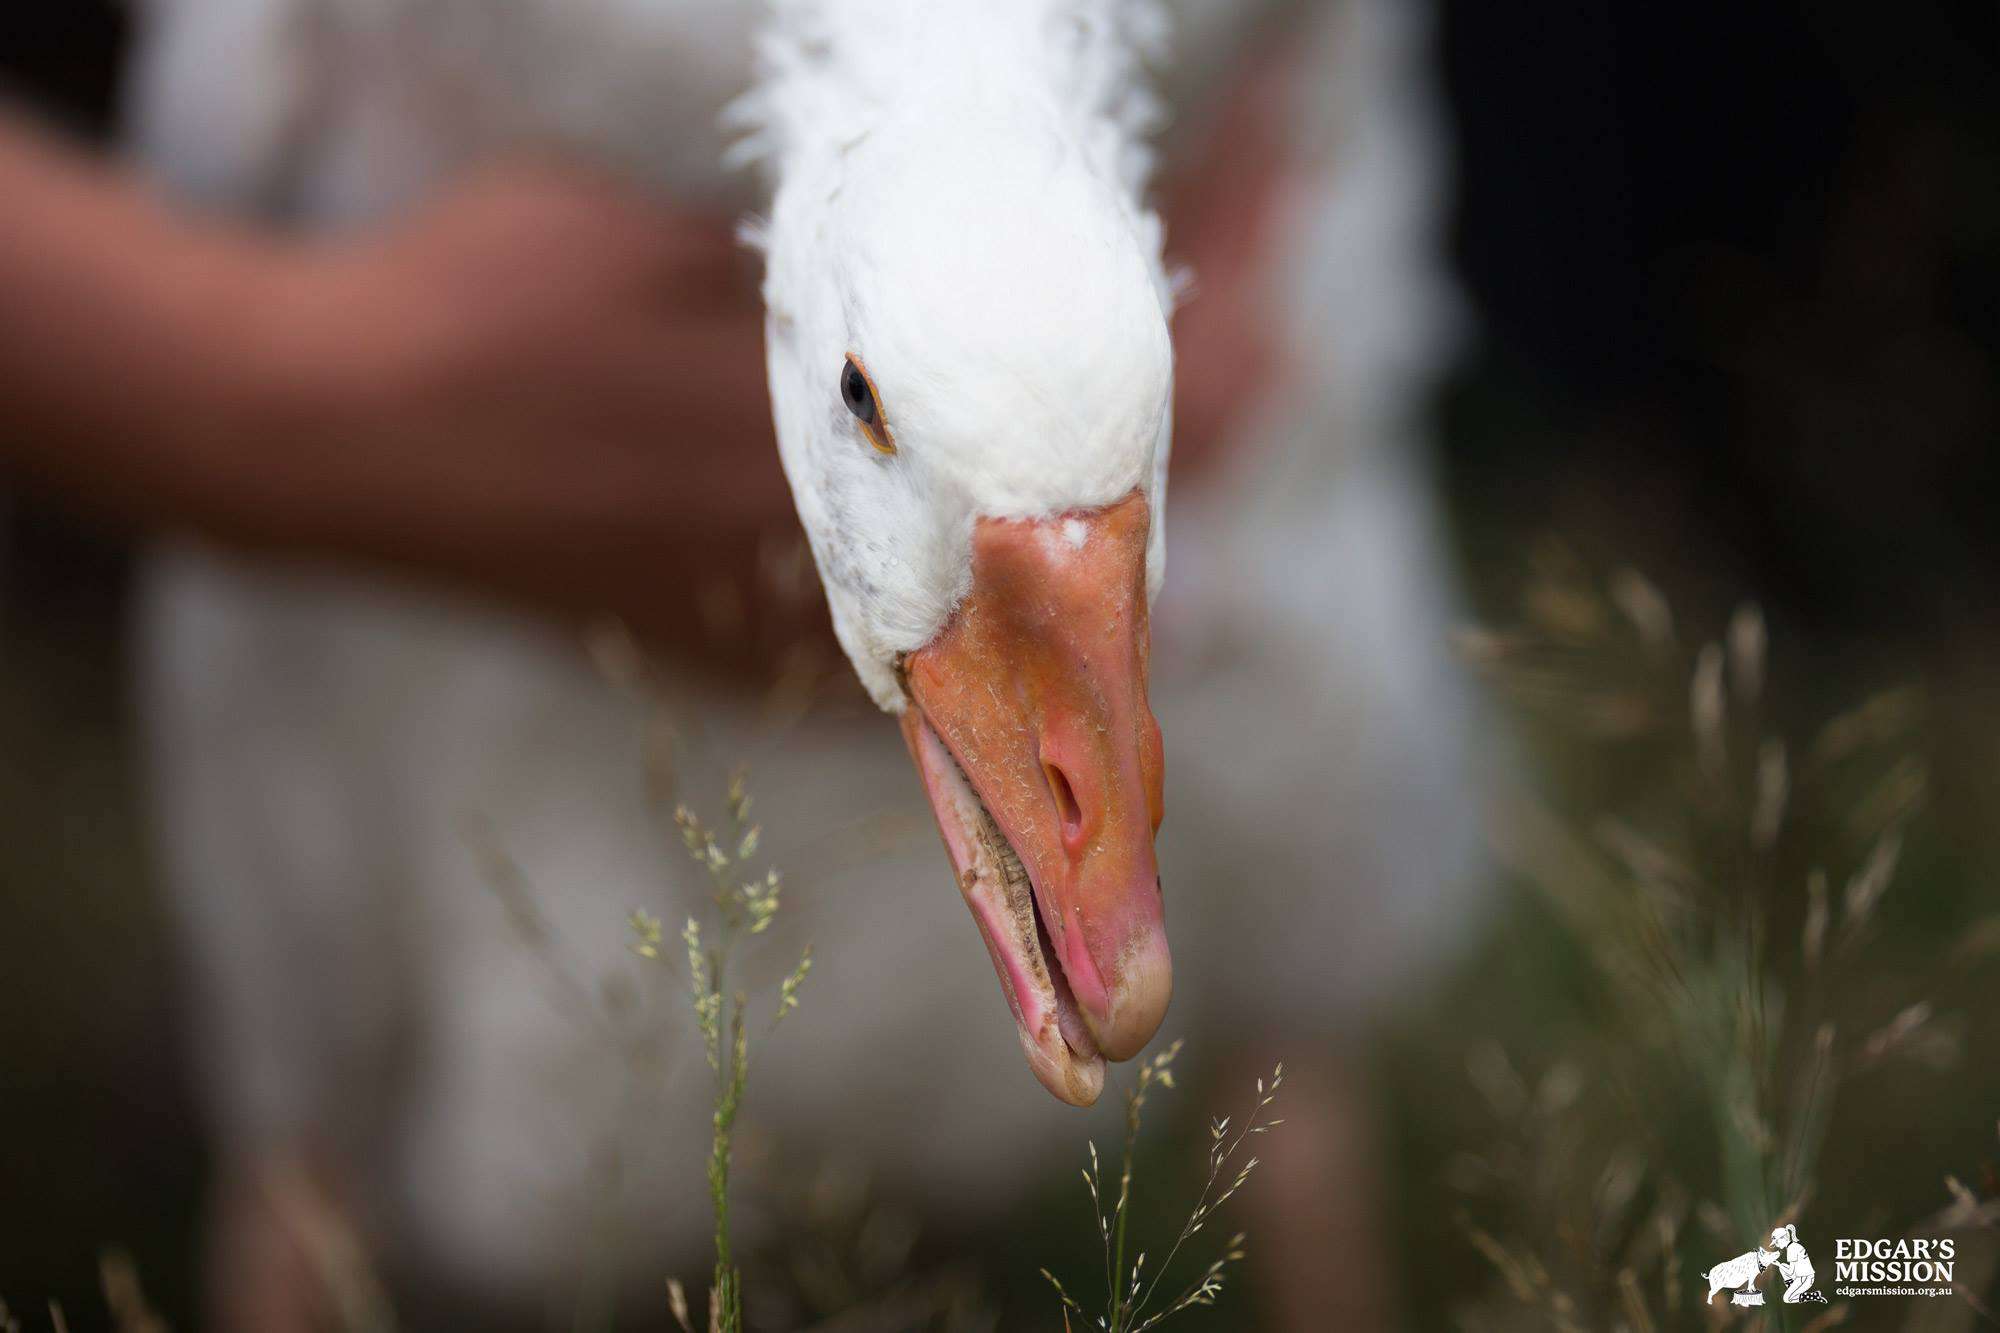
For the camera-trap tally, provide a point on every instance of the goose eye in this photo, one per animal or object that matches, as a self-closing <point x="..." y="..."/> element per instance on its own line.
<point x="858" y="392"/>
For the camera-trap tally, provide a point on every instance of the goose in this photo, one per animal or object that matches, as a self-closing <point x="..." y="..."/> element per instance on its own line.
<point x="967" y="338"/>
<point x="970" y="374"/>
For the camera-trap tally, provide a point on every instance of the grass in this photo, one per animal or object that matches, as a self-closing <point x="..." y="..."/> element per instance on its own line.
<point x="124" y="1301"/>
<point x="1722" y="889"/>
<point x="744" y="905"/>
<point x="1129" y="1297"/>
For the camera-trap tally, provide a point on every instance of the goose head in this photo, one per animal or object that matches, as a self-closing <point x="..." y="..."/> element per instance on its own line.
<point x="970" y="374"/>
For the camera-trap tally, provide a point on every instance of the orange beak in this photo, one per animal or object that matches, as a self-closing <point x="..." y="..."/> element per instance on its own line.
<point x="1029" y="725"/>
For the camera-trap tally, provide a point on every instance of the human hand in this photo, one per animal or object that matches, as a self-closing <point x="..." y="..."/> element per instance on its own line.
<point x="539" y="384"/>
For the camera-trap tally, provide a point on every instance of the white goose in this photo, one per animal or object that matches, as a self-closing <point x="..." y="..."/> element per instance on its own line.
<point x="970" y="372"/>
<point x="966" y="317"/>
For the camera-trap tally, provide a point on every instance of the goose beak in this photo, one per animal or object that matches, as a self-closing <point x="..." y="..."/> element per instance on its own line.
<point x="1029" y="725"/>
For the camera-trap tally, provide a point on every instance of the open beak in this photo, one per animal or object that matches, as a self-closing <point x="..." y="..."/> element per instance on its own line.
<point x="1029" y="726"/>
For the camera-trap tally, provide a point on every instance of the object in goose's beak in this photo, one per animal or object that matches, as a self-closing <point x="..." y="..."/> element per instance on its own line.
<point x="1029" y="725"/>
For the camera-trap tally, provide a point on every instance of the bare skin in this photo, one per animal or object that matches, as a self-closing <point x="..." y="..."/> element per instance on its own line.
<point x="539" y="386"/>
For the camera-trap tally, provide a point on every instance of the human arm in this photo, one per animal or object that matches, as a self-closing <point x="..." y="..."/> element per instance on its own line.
<point x="537" y="383"/>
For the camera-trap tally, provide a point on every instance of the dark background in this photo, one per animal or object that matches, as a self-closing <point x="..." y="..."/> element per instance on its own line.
<point x="1737" y="265"/>
<point x="1737" y="273"/>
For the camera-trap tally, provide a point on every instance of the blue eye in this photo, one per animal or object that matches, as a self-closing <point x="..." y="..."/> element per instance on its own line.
<point x="858" y="392"/>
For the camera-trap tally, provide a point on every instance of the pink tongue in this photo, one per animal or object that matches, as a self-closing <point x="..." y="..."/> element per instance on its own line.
<point x="1069" y="1019"/>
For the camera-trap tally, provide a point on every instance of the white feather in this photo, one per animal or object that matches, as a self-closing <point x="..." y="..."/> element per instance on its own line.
<point x="956" y="201"/>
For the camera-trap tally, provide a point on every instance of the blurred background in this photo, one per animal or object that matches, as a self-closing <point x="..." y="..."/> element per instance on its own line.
<point x="1732" y="278"/>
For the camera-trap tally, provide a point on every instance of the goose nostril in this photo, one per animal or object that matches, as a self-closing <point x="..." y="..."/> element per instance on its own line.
<point x="1066" y="807"/>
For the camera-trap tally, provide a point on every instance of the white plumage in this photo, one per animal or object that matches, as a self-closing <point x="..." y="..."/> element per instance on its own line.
<point x="956" y="199"/>
<point x="319" y="740"/>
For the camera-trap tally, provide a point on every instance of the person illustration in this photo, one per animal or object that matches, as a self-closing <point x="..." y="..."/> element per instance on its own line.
<point x="1795" y="1266"/>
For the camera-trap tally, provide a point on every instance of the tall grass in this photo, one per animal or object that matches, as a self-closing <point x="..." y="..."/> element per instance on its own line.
<point x="743" y="905"/>
<point x="124" y="1301"/>
<point x="1129" y="1296"/>
<point x="1722" y="883"/>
